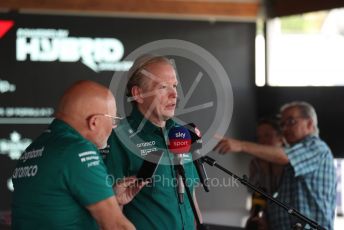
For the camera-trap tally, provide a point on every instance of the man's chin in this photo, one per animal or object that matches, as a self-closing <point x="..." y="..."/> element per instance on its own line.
<point x="168" y="116"/>
<point x="102" y="146"/>
<point x="292" y="141"/>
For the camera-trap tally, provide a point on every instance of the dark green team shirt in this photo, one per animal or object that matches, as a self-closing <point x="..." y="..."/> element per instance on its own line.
<point x="57" y="176"/>
<point x="156" y="206"/>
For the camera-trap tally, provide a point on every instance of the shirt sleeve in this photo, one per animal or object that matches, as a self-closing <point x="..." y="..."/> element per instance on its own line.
<point x="305" y="157"/>
<point x="86" y="175"/>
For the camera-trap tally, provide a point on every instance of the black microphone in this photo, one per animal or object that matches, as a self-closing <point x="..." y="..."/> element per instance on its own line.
<point x="196" y="146"/>
<point x="179" y="143"/>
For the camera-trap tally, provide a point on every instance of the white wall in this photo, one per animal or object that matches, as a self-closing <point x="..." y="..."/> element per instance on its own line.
<point x="227" y="204"/>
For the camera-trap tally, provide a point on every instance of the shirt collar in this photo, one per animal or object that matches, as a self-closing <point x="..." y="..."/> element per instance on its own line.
<point x="309" y="137"/>
<point x="305" y="139"/>
<point x="60" y="125"/>
<point x="148" y="125"/>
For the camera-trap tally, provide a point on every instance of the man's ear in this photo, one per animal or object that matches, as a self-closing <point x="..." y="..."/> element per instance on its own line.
<point x="92" y="122"/>
<point x="137" y="94"/>
<point x="310" y="125"/>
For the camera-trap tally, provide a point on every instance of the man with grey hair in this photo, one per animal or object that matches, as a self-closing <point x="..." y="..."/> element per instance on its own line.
<point x="309" y="180"/>
<point x="306" y="110"/>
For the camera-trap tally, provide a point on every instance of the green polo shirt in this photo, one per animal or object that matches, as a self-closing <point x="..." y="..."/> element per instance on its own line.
<point x="156" y="206"/>
<point x="57" y="176"/>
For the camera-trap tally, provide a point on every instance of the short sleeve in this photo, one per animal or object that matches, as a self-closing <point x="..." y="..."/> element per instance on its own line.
<point x="86" y="175"/>
<point x="305" y="157"/>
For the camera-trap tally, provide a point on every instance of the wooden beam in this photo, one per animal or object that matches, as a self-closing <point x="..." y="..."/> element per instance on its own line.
<point x="206" y="8"/>
<point x="279" y="8"/>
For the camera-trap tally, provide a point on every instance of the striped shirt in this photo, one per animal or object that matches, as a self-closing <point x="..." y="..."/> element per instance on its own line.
<point x="308" y="185"/>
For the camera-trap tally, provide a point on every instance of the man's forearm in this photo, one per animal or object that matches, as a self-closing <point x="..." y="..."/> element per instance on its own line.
<point x="265" y="152"/>
<point x="108" y="215"/>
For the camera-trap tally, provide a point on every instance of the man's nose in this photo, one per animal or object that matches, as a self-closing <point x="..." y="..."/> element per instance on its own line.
<point x="173" y="93"/>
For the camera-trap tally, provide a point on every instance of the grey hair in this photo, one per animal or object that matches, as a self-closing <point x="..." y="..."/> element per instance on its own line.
<point x="135" y="75"/>
<point x="306" y="110"/>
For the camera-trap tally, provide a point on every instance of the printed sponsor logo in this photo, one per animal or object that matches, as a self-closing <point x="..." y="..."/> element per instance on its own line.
<point x="7" y="87"/>
<point x="26" y="171"/>
<point x="50" y="45"/>
<point x="146" y="144"/>
<point x="5" y="26"/>
<point x="31" y="154"/>
<point x="91" y="158"/>
<point x="144" y="152"/>
<point x="14" y="146"/>
<point x="26" y="112"/>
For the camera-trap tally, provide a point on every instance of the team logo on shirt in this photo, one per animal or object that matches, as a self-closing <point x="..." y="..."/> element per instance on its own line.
<point x="145" y="151"/>
<point x="28" y="170"/>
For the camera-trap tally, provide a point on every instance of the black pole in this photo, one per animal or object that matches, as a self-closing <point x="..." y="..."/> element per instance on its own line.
<point x="181" y="172"/>
<point x="291" y="211"/>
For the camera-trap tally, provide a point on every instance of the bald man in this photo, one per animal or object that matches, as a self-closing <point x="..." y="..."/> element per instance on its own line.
<point x="60" y="181"/>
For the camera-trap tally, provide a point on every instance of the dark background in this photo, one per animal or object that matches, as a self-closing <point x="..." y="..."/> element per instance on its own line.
<point x="40" y="84"/>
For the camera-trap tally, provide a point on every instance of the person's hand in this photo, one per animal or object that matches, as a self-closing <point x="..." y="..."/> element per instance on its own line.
<point x="228" y="145"/>
<point x="127" y="189"/>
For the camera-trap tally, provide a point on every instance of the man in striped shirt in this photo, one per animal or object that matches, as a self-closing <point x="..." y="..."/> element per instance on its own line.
<point x="309" y="180"/>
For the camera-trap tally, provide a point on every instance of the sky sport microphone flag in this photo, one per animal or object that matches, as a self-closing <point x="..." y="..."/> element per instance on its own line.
<point x="179" y="140"/>
<point x="196" y="137"/>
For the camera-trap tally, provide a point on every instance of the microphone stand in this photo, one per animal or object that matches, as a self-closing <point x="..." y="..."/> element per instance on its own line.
<point x="291" y="211"/>
<point x="199" y="165"/>
<point x="181" y="172"/>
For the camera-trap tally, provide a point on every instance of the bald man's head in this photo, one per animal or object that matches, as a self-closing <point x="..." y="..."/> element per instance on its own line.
<point x="83" y="105"/>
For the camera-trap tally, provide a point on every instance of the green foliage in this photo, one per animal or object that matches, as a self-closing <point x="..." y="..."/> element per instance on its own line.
<point x="304" y="23"/>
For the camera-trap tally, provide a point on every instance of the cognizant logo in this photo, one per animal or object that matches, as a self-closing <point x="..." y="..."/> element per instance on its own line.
<point x="49" y="45"/>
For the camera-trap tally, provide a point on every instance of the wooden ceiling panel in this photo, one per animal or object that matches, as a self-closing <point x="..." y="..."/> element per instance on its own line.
<point x="179" y="8"/>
